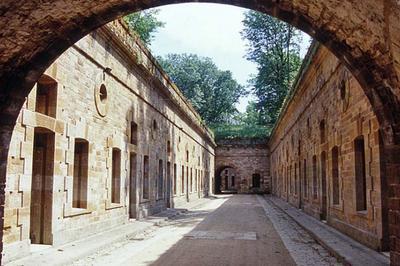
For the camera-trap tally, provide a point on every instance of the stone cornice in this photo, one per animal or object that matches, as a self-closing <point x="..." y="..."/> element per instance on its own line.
<point x="135" y="50"/>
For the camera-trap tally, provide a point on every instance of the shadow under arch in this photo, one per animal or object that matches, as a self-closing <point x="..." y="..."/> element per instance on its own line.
<point x="218" y="178"/>
<point x="365" y="45"/>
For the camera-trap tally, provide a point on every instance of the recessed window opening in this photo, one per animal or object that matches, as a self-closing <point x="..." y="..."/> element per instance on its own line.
<point x="169" y="150"/>
<point x="322" y="132"/>
<point x="160" y="179"/>
<point x="116" y="176"/>
<point x="315" y="179"/>
<point x="360" y="174"/>
<point x="80" y="178"/>
<point x="145" y="185"/>
<point x="46" y="96"/>
<point x="335" y="175"/>
<point x="305" y="179"/>
<point x="134" y="133"/>
<point x="183" y="180"/>
<point x="342" y="89"/>
<point x="103" y="93"/>
<point x="175" y="178"/>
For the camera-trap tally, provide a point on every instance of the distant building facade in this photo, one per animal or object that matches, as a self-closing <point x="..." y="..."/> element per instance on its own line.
<point x="242" y="166"/>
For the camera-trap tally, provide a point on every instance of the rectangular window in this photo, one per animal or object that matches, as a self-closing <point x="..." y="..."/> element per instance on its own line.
<point x="315" y="179"/>
<point x="175" y="178"/>
<point x="183" y="180"/>
<point x="295" y="179"/>
<point x="145" y="185"/>
<point x="160" y="179"/>
<point x="134" y="133"/>
<point x="191" y="180"/>
<point x="290" y="180"/>
<point x="195" y="179"/>
<point x="46" y="96"/>
<point x="322" y="132"/>
<point x="201" y="180"/>
<point x="80" y="179"/>
<point x="335" y="175"/>
<point x="169" y="149"/>
<point x="361" y="182"/>
<point x="305" y="180"/>
<point x="116" y="176"/>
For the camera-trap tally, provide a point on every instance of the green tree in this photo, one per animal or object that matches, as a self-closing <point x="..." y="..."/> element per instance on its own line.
<point x="273" y="46"/>
<point x="212" y="92"/>
<point x="252" y="116"/>
<point x="145" y="24"/>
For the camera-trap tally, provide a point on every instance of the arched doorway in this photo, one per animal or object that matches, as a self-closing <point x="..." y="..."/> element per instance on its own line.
<point x="226" y="180"/>
<point x="365" y="40"/>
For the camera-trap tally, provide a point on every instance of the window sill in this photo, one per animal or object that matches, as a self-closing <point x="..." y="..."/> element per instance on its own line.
<point x="144" y="200"/>
<point x="336" y="207"/>
<point x="76" y="212"/>
<point x="363" y="214"/>
<point x="111" y="206"/>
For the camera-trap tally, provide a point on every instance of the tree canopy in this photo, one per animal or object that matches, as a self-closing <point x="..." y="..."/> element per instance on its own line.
<point x="273" y="46"/>
<point x="145" y="24"/>
<point x="213" y="92"/>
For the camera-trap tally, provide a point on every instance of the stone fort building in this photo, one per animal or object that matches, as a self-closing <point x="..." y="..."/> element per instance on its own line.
<point x="105" y="136"/>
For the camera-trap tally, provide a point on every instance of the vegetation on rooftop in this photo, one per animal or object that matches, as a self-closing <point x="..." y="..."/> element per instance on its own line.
<point x="273" y="46"/>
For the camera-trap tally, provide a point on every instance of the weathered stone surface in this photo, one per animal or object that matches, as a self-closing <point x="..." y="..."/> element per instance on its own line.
<point x="327" y="93"/>
<point x="168" y="129"/>
<point x="241" y="159"/>
<point x="363" y="34"/>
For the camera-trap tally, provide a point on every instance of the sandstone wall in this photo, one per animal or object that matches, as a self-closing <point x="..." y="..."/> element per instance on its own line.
<point x="329" y="101"/>
<point x="248" y="158"/>
<point x="133" y="89"/>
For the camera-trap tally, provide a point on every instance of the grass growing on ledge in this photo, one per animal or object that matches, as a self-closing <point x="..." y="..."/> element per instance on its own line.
<point x="240" y="131"/>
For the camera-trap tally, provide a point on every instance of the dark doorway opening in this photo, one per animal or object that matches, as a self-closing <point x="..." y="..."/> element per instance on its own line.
<point x="256" y="179"/>
<point x="42" y="187"/>
<point x="132" y="186"/>
<point x="324" y="206"/>
<point x="225" y="181"/>
<point x="169" y="186"/>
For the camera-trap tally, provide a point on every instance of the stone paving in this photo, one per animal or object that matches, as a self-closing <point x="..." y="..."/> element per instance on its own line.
<point x="228" y="230"/>
<point x="223" y="230"/>
<point x="343" y="247"/>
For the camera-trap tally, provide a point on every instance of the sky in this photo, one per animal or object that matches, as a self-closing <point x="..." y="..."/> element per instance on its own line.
<point x="209" y="30"/>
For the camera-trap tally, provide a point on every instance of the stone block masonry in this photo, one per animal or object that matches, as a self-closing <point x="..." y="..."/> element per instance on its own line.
<point x="242" y="166"/>
<point x="103" y="137"/>
<point x="326" y="152"/>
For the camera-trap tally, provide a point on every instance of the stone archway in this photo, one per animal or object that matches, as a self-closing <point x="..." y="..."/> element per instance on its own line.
<point x="363" y="34"/>
<point x="220" y="183"/>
